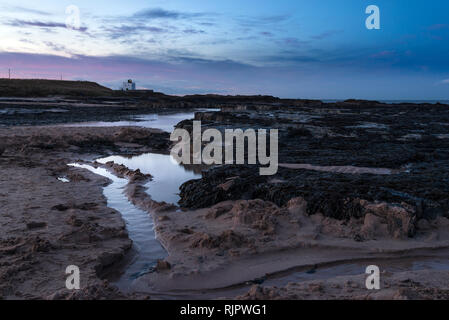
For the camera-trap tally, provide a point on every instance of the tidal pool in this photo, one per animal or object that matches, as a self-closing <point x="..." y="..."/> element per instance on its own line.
<point x="167" y="177"/>
<point x="164" y="121"/>
<point x="167" y="174"/>
<point x="139" y="225"/>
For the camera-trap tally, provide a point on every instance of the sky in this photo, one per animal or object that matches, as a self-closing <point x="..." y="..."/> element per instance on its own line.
<point x="286" y="48"/>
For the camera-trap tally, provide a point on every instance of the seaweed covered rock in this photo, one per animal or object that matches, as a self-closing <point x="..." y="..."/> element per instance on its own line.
<point x="398" y="221"/>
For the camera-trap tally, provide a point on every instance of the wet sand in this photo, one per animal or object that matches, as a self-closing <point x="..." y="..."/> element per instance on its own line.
<point x="48" y="224"/>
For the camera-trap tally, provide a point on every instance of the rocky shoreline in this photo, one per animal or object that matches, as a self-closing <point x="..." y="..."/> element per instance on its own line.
<point x="329" y="202"/>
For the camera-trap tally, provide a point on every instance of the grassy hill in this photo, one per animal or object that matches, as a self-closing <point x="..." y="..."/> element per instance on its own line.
<point x="43" y="88"/>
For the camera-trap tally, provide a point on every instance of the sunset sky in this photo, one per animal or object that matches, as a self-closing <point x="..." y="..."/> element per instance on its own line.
<point x="286" y="48"/>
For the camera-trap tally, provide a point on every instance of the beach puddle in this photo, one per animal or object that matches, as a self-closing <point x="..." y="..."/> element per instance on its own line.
<point x="167" y="177"/>
<point x="162" y="121"/>
<point x="357" y="268"/>
<point x="167" y="174"/>
<point x="139" y="225"/>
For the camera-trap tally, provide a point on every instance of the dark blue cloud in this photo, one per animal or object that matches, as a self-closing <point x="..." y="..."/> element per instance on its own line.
<point x="127" y="31"/>
<point x="260" y="21"/>
<point x="158" y="13"/>
<point x="40" y="24"/>
<point x="193" y="31"/>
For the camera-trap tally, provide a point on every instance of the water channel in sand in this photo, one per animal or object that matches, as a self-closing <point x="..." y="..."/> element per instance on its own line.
<point x="167" y="177"/>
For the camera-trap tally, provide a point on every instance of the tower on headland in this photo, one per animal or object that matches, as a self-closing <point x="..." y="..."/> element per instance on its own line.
<point x="128" y="85"/>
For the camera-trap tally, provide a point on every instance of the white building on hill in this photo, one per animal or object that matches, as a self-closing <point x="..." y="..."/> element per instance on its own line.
<point x="129" y="85"/>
